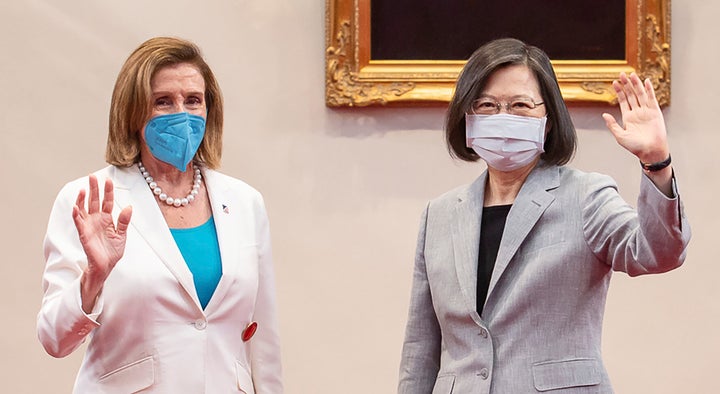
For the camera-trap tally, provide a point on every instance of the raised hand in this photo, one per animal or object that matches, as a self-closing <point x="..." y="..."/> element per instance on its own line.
<point x="643" y="131"/>
<point x="102" y="241"/>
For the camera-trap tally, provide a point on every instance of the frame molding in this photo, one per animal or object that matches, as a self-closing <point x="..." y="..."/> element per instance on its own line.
<point x="352" y="79"/>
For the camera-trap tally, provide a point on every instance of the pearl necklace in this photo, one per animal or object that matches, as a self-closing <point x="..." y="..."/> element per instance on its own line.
<point x="175" y="202"/>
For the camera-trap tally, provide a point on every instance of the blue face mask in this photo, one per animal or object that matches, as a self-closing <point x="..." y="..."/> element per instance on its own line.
<point x="175" y="138"/>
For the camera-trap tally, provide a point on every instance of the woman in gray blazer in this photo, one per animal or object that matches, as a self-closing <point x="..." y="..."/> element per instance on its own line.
<point x="512" y="271"/>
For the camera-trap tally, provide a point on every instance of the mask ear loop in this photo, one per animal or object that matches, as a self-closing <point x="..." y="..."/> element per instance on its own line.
<point x="548" y="127"/>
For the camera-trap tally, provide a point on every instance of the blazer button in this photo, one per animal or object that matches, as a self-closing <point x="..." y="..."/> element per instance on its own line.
<point x="483" y="333"/>
<point x="484" y="373"/>
<point x="200" y="324"/>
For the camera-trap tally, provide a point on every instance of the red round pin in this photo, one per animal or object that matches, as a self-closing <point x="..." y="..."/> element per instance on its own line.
<point x="249" y="331"/>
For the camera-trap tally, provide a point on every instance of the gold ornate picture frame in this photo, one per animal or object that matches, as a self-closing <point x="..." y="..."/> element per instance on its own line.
<point x="353" y="79"/>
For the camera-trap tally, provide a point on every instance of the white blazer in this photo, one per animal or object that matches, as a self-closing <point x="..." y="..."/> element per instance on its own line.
<point x="148" y="332"/>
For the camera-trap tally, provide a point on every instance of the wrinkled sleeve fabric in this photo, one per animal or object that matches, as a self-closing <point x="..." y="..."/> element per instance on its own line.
<point x="265" y="346"/>
<point x="420" y="361"/>
<point x="62" y="325"/>
<point x="652" y="239"/>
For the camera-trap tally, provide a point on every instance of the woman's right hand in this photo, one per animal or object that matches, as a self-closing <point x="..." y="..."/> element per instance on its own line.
<point x="102" y="241"/>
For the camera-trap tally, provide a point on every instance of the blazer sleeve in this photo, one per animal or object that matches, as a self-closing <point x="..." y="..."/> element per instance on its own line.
<point x="651" y="239"/>
<point x="420" y="360"/>
<point x="265" y="345"/>
<point x="62" y="325"/>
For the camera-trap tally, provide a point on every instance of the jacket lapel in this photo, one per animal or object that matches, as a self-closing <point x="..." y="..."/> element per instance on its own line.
<point x="227" y="225"/>
<point x="147" y="219"/>
<point x="466" y="239"/>
<point x="529" y="205"/>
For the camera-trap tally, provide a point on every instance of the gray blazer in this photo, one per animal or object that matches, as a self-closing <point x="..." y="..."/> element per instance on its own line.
<point x="540" y="329"/>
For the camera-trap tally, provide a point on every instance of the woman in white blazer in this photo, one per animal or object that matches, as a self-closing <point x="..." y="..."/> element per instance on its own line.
<point x="169" y="274"/>
<point x="512" y="271"/>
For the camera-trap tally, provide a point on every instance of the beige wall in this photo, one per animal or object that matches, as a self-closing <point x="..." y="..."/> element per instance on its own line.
<point x="344" y="189"/>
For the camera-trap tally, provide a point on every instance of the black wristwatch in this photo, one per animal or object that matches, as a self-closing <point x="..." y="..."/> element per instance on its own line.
<point x="652" y="167"/>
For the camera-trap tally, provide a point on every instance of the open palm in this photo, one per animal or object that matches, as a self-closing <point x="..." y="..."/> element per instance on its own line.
<point x="102" y="241"/>
<point x="643" y="132"/>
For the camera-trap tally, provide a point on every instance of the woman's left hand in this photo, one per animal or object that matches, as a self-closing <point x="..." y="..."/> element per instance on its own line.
<point x="644" y="133"/>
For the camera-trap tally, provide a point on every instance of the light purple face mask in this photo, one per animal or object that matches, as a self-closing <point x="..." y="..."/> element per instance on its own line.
<point x="506" y="142"/>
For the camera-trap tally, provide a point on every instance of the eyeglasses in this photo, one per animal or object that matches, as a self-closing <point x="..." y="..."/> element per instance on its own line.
<point x="521" y="106"/>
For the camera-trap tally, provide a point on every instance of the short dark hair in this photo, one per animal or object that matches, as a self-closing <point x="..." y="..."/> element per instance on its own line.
<point x="561" y="140"/>
<point x="130" y="107"/>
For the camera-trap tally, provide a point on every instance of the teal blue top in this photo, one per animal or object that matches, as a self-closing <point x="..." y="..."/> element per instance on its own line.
<point x="199" y="248"/>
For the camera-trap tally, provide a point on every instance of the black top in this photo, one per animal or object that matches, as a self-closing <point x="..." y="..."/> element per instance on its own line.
<point x="491" y="230"/>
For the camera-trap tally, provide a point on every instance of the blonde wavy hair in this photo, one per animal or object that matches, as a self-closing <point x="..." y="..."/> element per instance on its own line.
<point x="131" y="104"/>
